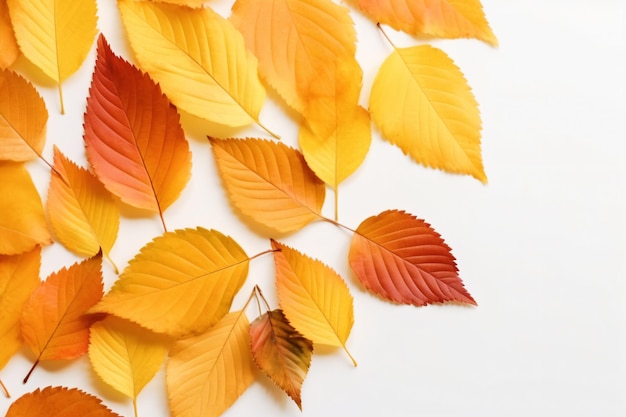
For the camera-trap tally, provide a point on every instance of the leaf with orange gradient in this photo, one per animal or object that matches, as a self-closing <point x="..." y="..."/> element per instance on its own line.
<point x="207" y="373"/>
<point x="59" y="402"/>
<point x="403" y="259"/>
<point x="281" y="352"/>
<point x="182" y="282"/>
<point x="22" y="222"/>
<point x="313" y="297"/>
<point x="189" y="3"/>
<point x="436" y="119"/>
<point x="54" y="325"/>
<point x="269" y="183"/>
<point x="432" y="18"/>
<point x="82" y="212"/>
<point x="23" y="118"/>
<point x="9" y="51"/>
<point x="133" y="136"/>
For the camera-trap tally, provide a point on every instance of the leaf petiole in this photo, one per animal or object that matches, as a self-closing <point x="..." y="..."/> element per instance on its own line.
<point x="4" y="388"/>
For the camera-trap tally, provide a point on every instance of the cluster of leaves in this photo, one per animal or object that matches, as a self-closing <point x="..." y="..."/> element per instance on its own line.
<point x="193" y="60"/>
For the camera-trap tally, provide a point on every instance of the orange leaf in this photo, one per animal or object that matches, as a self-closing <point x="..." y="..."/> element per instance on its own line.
<point x="133" y="135"/>
<point x="281" y="352"/>
<point x="53" y="322"/>
<point x="59" y="402"/>
<point x="9" y="50"/>
<point x="269" y="183"/>
<point x="401" y="258"/>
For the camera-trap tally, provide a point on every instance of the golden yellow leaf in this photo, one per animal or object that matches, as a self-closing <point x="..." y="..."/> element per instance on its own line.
<point x="22" y="222"/>
<point x="9" y="51"/>
<point x="434" y="118"/>
<point x="23" y="118"/>
<point x="55" y="35"/>
<point x="208" y="71"/>
<point x="182" y="282"/>
<point x="190" y="3"/>
<point x="207" y="373"/>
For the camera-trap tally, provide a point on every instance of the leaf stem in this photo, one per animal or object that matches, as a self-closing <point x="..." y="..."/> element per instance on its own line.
<point x="336" y="204"/>
<point x="269" y="132"/>
<point x="385" y="35"/>
<point x="106" y="255"/>
<point x="350" y="355"/>
<point x="265" y="252"/>
<point x="61" y="98"/>
<point x="135" y="406"/>
<point x="4" y="388"/>
<point x="258" y="290"/>
<point x="336" y="223"/>
<point x="162" y="219"/>
<point x="31" y="371"/>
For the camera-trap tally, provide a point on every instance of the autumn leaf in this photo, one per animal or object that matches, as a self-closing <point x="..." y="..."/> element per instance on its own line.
<point x="269" y="183"/>
<point x="82" y="212"/>
<point x="281" y="352"/>
<point x="23" y="118"/>
<point x="432" y="18"/>
<point x="59" y="402"/>
<point x="53" y="323"/>
<point x="313" y="297"/>
<point x="207" y="373"/>
<point x="55" y="35"/>
<point x="208" y="71"/>
<point x="9" y="50"/>
<point x="182" y="282"/>
<point x="189" y="3"/>
<point x="403" y="259"/>
<point x="22" y="222"/>
<point x="133" y="136"/>
<point x="436" y="118"/>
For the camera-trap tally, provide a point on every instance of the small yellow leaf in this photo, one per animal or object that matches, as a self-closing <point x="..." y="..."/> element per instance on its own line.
<point x="9" y="51"/>
<point x="434" y="117"/>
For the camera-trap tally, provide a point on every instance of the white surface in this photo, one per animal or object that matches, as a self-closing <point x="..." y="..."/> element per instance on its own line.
<point x="541" y="247"/>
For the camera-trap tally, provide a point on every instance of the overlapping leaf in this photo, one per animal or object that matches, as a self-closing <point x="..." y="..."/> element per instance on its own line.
<point x="23" y="118"/>
<point x="181" y="282"/>
<point x="190" y="3"/>
<point x="133" y="136"/>
<point x="403" y="259"/>
<point x="435" y="119"/>
<point x="208" y="71"/>
<point x="22" y="222"/>
<point x="9" y="50"/>
<point x="269" y="183"/>
<point x="207" y="373"/>
<point x="281" y="352"/>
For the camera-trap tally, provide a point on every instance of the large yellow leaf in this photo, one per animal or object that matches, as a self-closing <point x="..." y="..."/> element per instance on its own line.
<point x="55" y="35"/>
<point x="22" y="222"/>
<point x="208" y="72"/>
<point x="23" y="118"/>
<point x="207" y="373"/>
<point x="9" y="51"/>
<point x="269" y="183"/>
<point x="434" y="117"/>
<point x="182" y="282"/>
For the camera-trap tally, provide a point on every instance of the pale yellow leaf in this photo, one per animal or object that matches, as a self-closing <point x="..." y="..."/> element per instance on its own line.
<point x="9" y="51"/>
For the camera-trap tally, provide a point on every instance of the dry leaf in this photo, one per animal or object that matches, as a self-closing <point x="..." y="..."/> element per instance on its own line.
<point x="436" y="118"/>
<point x="133" y="136"/>
<point x="9" y="51"/>
<point x="23" y="118"/>
<point x="401" y="258"/>
<point x="207" y="373"/>
<point x="22" y="222"/>
<point x="281" y="352"/>
<point x="269" y="183"/>
<point x="181" y="282"/>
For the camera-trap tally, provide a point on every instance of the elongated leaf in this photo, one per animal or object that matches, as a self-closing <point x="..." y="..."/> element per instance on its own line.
<point x="181" y="282"/>
<point x="281" y="352"/>
<point x="269" y="183"/>
<point x="22" y="222"/>
<point x="436" y="119"/>
<point x="208" y="71"/>
<point x="23" y="118"/>
<point x="133" y="136"/>
<point x="9" y="50"/>
<point x="401" y="258"/>
<point x="207" y="373"/>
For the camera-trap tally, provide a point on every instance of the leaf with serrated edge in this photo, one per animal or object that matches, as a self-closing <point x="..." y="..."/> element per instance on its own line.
<point x="403" y="259"/>
<point x="10" y="50"/>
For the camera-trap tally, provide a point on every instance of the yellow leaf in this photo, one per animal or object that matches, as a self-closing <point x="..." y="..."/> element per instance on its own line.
<point x="55" y="35"/>
<point x="23" y="118"/>
<point x="314" y="298"/>
<point x="182" y="282"/>
<point x="9" y="51"/>
<point x="434" y="118"/>
<point x="207" y="373"/>
<point x="82" y="212"/>
<point x="190" y="3"/>
<point x="22" y="222"/>
<point x="208" y="71"/>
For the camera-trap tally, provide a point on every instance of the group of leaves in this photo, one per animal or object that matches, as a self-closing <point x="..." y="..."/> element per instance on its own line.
<point x="175" y="296"/>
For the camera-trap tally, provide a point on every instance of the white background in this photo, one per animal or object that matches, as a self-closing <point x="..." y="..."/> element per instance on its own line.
<point x="541" y="247"/>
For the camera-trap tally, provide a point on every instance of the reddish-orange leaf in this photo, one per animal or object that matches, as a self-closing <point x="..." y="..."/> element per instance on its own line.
<point x="403" y="259"/>
<point x="59" y="402"/>
<point x="53" y="322"/>
<point x="281" y="352"/>
<point x="133" y="136"/>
